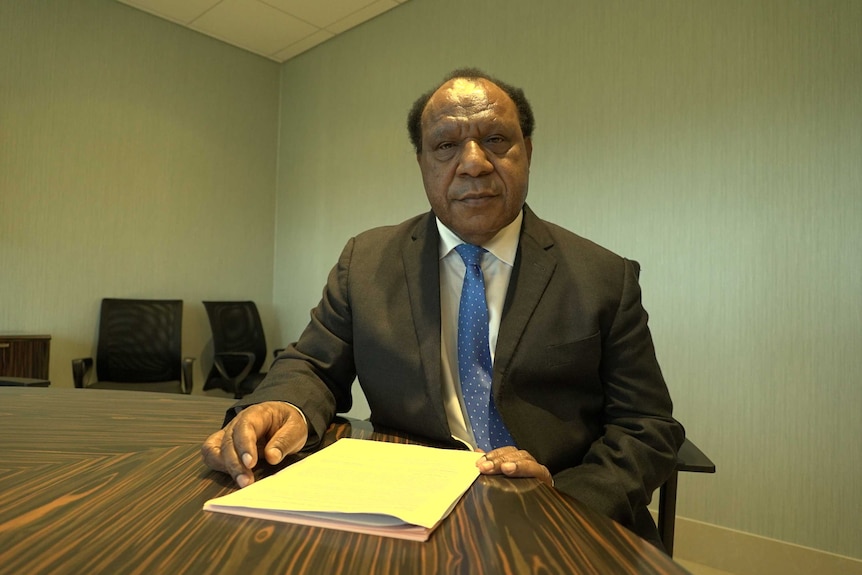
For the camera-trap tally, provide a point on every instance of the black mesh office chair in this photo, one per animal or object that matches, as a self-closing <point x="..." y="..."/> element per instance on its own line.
<point x="239" y="347"/>
<point x="138" y="349"/>
<point x="689" y="458"/>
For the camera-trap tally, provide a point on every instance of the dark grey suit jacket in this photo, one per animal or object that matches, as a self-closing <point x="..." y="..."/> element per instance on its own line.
<point x="575" y="374"/>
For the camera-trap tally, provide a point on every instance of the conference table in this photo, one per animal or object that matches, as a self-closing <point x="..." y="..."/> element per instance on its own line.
<point x="100" y="481"/>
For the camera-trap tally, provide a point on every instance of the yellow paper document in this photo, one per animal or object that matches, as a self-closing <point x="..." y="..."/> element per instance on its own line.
<point x="375" y="487"/>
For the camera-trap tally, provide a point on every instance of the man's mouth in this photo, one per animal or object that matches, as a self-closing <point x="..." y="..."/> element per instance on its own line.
<point x="476" y="197"/>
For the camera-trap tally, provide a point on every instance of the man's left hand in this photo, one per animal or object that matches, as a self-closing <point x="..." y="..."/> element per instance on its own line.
<point x="513" y="462"/>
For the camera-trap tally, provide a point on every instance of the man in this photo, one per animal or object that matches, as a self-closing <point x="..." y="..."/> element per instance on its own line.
<point x="575" y="397"/>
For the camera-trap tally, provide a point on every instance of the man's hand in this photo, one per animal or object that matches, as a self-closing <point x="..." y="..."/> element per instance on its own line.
<point x="513" y="462"/>
<point x="278" y="428"/>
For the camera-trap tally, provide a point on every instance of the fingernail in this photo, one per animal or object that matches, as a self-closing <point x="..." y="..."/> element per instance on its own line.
<point x="246" y="459"/>
<point x="508" y="467"/>
<point x="274" y="455"/>
<point x="242" y="480"/>
<point x="486" y="466"/>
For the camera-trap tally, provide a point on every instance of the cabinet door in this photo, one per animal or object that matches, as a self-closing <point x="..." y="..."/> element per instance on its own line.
<point x="25" y="356"/>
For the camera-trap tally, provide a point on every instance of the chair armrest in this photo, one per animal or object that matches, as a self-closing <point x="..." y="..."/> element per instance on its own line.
<point x="691" y="458"/>
<point x="688" y="458"/>
<point x="277" y="352"/>
<point x="188" y="381"/>
<point x="236" y="379"/>
<point x="80" y="367"/>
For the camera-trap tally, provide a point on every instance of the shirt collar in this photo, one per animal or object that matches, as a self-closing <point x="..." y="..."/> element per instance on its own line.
<point x="504" y="245"/>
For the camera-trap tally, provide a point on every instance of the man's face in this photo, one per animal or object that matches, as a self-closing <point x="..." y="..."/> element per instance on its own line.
<point x="475" y="161"/>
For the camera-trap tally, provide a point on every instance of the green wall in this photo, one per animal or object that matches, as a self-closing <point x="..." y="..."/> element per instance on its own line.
<point x="137" y="159"/>
<point x="719" y="143"/>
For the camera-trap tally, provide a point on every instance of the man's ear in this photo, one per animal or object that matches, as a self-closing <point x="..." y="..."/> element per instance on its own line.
<point x="528" y="144"/>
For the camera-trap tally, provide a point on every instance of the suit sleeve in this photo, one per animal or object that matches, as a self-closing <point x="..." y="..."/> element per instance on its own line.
<point x="316" y="372"/>
<point x="637" y="450"/>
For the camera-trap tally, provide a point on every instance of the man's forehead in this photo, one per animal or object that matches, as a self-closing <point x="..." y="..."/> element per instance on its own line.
<point x="465" y="99"/>
<point x="467" y="88"/>
<point x="465" y="92"/>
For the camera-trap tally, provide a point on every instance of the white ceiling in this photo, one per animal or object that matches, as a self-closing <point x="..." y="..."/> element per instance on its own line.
<point x="276" y="29"/>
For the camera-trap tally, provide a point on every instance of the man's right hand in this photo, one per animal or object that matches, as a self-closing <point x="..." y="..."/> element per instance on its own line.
<point x="276" y="427"/>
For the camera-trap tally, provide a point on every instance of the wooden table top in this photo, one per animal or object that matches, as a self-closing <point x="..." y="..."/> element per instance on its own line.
<point x="99" y="481"/>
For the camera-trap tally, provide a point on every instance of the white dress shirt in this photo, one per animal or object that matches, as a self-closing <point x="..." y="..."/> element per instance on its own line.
<point x="497" y="267"/>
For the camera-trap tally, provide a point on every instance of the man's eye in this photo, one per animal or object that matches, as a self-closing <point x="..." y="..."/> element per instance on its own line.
<point x="497" y="144"/>
<point x="445" y="146"/>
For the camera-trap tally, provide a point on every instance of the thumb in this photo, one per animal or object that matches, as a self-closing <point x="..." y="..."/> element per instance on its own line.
<point x="288" y="439"/>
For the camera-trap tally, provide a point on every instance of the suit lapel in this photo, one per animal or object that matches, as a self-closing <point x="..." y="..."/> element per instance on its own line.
<point x="533" y="269"/>
<point x="422" y="270"/>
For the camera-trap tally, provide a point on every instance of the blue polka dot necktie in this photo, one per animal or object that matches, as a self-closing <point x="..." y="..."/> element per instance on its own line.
<point x="474" y="355"/>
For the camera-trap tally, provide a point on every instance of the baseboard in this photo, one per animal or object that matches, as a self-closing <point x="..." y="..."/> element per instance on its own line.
<point x="743" y="553"/>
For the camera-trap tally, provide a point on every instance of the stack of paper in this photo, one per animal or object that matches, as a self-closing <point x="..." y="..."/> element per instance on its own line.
<point x="375" y="487"/>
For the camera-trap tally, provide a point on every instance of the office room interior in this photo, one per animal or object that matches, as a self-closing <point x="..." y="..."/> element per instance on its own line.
<point x="719" y="143"/>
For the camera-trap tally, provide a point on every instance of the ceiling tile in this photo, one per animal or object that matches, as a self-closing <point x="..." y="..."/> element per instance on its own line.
<point x="303" y="45"/>
<point x="276" y="29"/>
<point x="253" y="25"/>
<point x="360" y="16"/>
<point x="320" y="13"/>
<point x="182" y="11"/>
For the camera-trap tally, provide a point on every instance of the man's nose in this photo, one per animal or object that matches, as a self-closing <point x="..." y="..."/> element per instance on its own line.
<point x="474" y="161"/>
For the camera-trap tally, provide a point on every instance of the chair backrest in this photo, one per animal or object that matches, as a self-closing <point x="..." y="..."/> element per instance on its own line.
<point x="236" y="326"/>
<point x="140" y="340"/>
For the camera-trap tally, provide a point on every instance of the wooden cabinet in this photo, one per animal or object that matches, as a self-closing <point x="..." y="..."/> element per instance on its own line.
<point x="25" y="355"/>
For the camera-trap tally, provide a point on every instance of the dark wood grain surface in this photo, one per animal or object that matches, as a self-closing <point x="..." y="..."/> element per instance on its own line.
<point x="96" y="481"/>
<point x="25" y="355"/>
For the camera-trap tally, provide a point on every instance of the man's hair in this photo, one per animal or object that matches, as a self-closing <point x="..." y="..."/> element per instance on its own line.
<point x="525" y="112"/>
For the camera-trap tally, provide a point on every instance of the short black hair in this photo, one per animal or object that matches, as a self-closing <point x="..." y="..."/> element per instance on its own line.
<point x="525" y="112"/>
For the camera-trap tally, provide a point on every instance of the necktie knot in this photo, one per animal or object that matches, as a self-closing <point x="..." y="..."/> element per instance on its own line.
<point x="471" y="254"/>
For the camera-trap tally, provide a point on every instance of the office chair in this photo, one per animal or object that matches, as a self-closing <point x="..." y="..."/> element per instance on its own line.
<point x="689" y="458"/>
<point x="239" y="347"/>
<point x="138" y="348"/>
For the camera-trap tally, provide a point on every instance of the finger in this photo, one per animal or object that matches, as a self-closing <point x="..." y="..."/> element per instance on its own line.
<point x="237" y="460"/>
<point x="490" y="464"/>
<point x="490" y="461"/>
<point x="289" y="438"/>
<point x="276" y="427"/>
<point x="256" y="425"/>
<point x="246" y="428"/>
<point x="211" y="451"/>
<point x="234" y="449"/>
<point x="526" y="468"/>
<point x="486" y="466"/>
<point x="501" y="452"/>
<point x="500" y="456"/>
